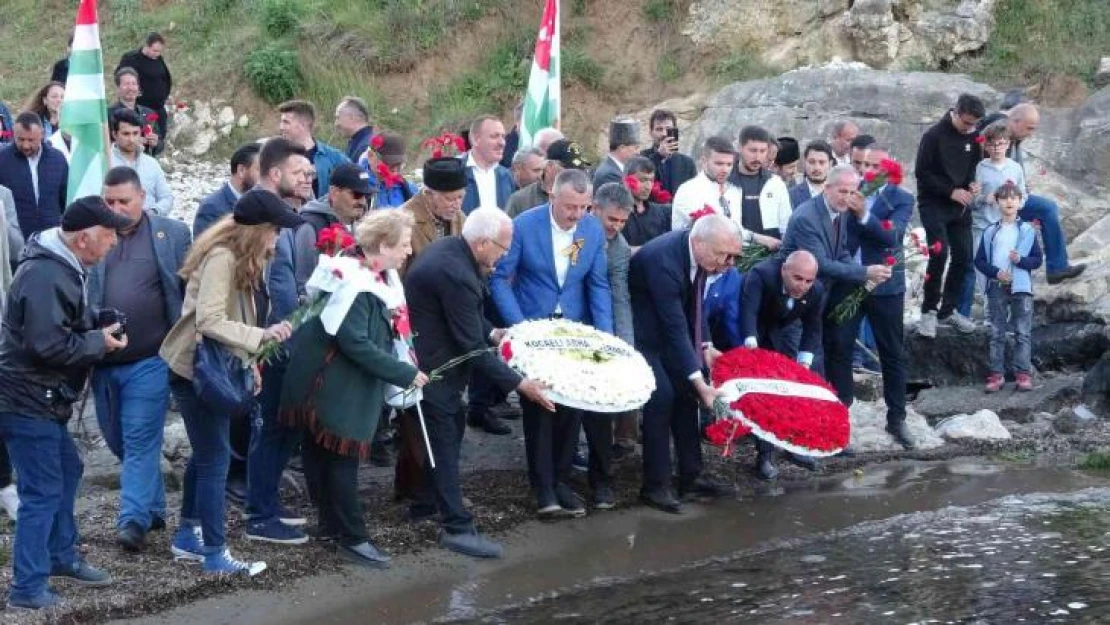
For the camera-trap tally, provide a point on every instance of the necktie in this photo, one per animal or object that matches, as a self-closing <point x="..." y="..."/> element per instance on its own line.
<point x="699" y="298"/>
<point x="836" y="236"/>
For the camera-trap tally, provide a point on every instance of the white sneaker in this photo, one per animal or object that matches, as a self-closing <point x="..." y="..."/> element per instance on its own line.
<point x="927" y="327"/>
<point x="9" y="501"/>
<point x="960" y="322"/>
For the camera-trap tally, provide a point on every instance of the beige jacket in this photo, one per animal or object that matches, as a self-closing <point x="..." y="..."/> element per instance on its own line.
<point x="212" y="308"/>
<point x="424" y="230"/>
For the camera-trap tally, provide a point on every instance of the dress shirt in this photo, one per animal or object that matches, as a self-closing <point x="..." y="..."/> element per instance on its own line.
<point x="486" y="179"/>
<point x="710" y="278"/>
<point x="561" y="240"/>
<point x="699" y="191"/>
<point x="33" y="163"/>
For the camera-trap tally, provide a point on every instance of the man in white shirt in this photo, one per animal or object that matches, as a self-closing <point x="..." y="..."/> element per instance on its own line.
<point x="488" y="183"/>
<point x="127" y="151"/>
<point x="710" y="187"/>
<point x="765" y="206"/>
<point x="841" y="135"/>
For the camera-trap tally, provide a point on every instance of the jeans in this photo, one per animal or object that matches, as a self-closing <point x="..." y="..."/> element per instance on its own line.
<point x="333" y="485"/>
<point x="672" y="411"/>
<point x="952" y="228"/>
<point x="973" y="278"/>
<point x="131" y="403"/>
<point x="446" y="423"/>
<point x="885" y="315"/>
<point x="1055" y="246"/>
<point x="550" y="440"/>
<point x="271" y="444"/>
<point x="1010" y="310"/>
<point x="50" y="469"/>
<point x="202" y="499"/>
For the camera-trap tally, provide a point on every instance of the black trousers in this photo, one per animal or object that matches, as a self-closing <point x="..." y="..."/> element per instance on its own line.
<point x="672" y="411"/>
<point x="333" y="486"/>
<point x="885" y="314"/>
<point x="599" y="439"/>
<point x="952" y="228"/>
<point x="550" y="440"/>
<point x="440" y="489"/>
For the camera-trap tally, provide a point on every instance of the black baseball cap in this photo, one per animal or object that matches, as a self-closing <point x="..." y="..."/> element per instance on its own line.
<point x="351" y="177"/>
<point x="567" y="153"/>
<point x="91" y="211"/>
<point x="258" y="206"/>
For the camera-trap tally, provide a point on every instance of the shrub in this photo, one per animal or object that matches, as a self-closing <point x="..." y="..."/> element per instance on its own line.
<point x="581" y="67"/>
<point x="659" y="11"/>
<point x="280" y="18"/>
<point x="274" y="72"/>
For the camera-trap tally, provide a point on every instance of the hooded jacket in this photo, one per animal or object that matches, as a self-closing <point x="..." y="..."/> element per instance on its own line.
<point x="317" y="214"/>
<point x="946" y="161"/>
<point x="50" y="337"/>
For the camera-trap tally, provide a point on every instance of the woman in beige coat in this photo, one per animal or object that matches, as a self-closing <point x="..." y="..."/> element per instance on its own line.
<point x="224" y="268"/>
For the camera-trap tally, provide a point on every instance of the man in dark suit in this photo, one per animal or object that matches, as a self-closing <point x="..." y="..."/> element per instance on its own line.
<point x="816" y="162"/>
<point x="624" y="143"/>
<point x="556" y="268"/>
<point x="667" y="280"/>
<point x="488" y="183"/>
<point x="820" y="227"/>
<point x="444" y="288"/>
<point x="874" y="236"/>
<point x="244" y="175"/>
<point x="671" y="166"/>
<point x="778" y="292"/>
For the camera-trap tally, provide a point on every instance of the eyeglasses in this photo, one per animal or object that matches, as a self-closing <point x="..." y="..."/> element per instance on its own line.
<point x="503" y="248"/>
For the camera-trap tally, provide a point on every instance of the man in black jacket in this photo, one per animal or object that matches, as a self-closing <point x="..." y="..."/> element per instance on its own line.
<point x="671" y="166"/>
<point x="50" y="339"/>
<point x="945" y="171"/>
<point x="155" y="81"/>
<point x="445" y="289"/>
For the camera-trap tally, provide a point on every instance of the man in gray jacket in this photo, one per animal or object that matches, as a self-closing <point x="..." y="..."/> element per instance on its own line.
<point x="348" y="195"/>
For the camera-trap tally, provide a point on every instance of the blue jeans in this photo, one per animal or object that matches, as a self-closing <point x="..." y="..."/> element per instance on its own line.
<point x="49" y="468"/>
<point x="1010" y="310"/>
<point x="131" y="403"/>
<point x="202" y="499"/>
<point x="271" y="445"/>
<point x="1055" y="247"/>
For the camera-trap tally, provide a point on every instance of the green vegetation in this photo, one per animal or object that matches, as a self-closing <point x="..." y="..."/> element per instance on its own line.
<point x="280" y="18"/>
<point x="496" y="84"/>
<point x="1034" y="38"/>
<point x="1096" y="460"/>
<point x="742" y="64"/>
<point x="274" y="72"/>
<point x="669" y="68"/>
<point x="659" y="11"/>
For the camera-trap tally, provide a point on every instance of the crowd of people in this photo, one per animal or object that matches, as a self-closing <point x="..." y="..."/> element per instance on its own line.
<point x="111" y="292"/>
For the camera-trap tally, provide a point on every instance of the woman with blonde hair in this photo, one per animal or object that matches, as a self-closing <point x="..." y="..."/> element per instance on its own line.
<point x="47" y="104"/>
<point x="224" y="269"/>
<point x="339" y="370"/>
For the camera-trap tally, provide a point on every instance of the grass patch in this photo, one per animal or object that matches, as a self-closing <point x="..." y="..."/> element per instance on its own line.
<point x="1034" y="38"/>
<point x="498" y="82"/>
<point x="1099" y="460"/>
<point x="580" y="67"/>
<point x="743" y="64"/>
<point x="669" y="68"/>
<point x="659" y="11"/>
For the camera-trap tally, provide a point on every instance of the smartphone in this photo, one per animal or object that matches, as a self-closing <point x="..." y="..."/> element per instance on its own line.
<point x="672" y="134"/>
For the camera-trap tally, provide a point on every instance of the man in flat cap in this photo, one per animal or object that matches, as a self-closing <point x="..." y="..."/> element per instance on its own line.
<point x="624" y="143"/>
<point x="50" y="339"/>
<point x="561" y="154"/>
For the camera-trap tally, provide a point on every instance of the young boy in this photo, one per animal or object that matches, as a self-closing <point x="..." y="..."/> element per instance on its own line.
<point x="1007" y="255"/>
<point x="991" y="173"/>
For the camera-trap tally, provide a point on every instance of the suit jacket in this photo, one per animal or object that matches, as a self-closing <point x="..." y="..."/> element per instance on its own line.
<point x="219" y="203"/>
<point x="424" y="230"/>
<point x="763" y="307"/>
<point x="663" y="304"/>
<point x="673" y="171"/>
<point x="524" y="285"/>
<point x="811" y="229"/>
<point x="505" y="188"/>
<point x="445" y="290"/>
<point x="620" y="254"/>
<point x="171" y="246"/>
<point x="607" y="171"/>
<point x="875" y="243"/>
<point x="722" y="310"/>
<point x="799" y="193"/>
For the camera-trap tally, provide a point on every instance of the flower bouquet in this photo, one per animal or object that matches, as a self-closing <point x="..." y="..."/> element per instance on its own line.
<point x="446" y="144"/>
<point x="582" y="367"/>
<point x="779" y="401"/>
<point x="751" y="254"/>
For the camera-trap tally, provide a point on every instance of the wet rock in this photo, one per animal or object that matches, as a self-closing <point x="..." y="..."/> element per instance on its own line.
<point x="869" y="428"/>
<point x="1049" y="394"/>
<point x="982" y="425"/>
<point x="1096" y="385"/>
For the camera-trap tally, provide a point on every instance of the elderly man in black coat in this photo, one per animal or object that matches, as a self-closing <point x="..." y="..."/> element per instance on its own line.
<point x="445" y="288"/>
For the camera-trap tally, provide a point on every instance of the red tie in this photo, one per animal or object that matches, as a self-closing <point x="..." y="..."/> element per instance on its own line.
<point x="699" y="290"/>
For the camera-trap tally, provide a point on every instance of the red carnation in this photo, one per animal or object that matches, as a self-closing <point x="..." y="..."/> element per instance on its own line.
<point x="927" y="277"/>
<point x="632" y="183"/>
<point x="893" y="170"/>
<point x="890" y="261"/>
<point x="936" y="247"/>
<point x="401" y="322"/>
<point x="181" y="105"/>
<point x="5" y="134"/>
<point x="152" y="117"/>
<point x="980" y="139"/>
<point x="325" y="240"/>
<point x="385" y="176"/>
<point x="376" y="142"/>
<point x="702" y="212"/>
<point x="337" y="273"/>
<point x="506" y="351"/>
<point x="888" y="224"/>
<point x="869" y="176"/>
<point x="460" y="143"/>
<point x="148" y="130"/>
<point x="659" y="194"/>
<point x="437" y="153"/>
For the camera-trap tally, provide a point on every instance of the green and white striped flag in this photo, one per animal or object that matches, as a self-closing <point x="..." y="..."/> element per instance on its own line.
<point x="541" y="103"/>
<point x="84" y="111"/>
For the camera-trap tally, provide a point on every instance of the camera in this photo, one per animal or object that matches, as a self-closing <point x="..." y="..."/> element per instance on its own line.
<point x="111" y="316"/>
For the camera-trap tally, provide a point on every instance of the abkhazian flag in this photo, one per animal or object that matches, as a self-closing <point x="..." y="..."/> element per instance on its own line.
<point x="541" y="102"/>
<point x="84" y="112"/>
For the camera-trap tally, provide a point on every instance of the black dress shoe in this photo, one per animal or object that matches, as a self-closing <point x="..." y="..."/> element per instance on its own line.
<point x="806" y="462"/>
<point x="157" y="523"/>
<point x="570" y="501"/>
<point x="662" y="499"/>
<point x="705" y="486"/>
<point x="765" y="468"/>
<point x="505" y="411"/>
<point x="902" y="435"/>
<point x="131" y="537"/>
<point x="1057" y="277"/>
<point x="490" y="423"/>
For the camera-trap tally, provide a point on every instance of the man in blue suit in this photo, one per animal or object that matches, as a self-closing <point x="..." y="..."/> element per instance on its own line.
<point x="557" y="268"/>
<point x="820" y="227"/>
<point x="874" y="236"/>
<point x="488" y="183"/>
<point x="816" y="162"/>
<point x="244" y="175"/>
<point x="667" y="280"/>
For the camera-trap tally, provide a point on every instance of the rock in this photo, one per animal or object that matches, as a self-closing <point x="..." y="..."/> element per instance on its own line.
<point x="869" y="429"/>
<point x="190" y="183"/>
<point x="1082" y="299"/>
<point x="1086" y="148"/>
<point x="1096" y="385"/>
<point x="867" y="386"/>
<point x="1073" y="419"/>
<point x="1049" y="394"/>
<point x="983" y="425"/>
<point x="195" y="130"/>
<point x="226" y="116"/>
<point x="244" y="121"/>
<point x="1102" y="76"/>
<point x="686" y="110"/>
<point x="874" y="34"/>
<point x="175" y="441"/>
